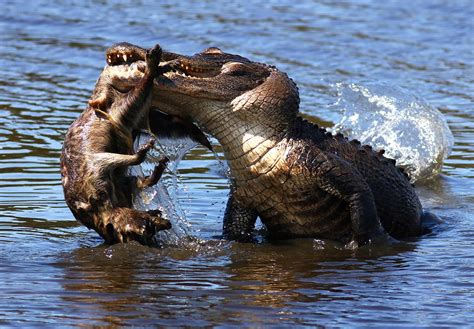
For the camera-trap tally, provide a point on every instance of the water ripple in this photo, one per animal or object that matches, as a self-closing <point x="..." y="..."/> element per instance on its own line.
<point x="54" y="272"/>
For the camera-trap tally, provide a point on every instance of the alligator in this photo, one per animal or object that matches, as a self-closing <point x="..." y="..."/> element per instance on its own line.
<point x="298" y="178"/>
<point x="98" y="148"/>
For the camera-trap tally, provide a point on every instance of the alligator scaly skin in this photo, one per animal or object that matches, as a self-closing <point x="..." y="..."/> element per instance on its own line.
<point x="299" y="179"/>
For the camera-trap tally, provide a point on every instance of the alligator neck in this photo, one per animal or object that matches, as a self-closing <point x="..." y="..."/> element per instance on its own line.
<point x="249" y="145"/>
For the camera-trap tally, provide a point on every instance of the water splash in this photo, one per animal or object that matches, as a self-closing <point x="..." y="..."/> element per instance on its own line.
<point x="404" y="125"/>
<point x="223" y="169"/>
<point x="164" y="195"/>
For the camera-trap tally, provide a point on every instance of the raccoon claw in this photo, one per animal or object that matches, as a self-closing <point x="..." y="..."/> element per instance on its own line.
<point x="154" y="212"/>
<point x="148" y="145"/>
<point x="161" y="224"/>
<point x="142" y="151"/>
<point x="163" y="160"/>
<point x="140" y="230"/>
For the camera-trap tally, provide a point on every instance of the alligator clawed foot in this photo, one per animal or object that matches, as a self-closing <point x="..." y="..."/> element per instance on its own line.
<point x="379" y="238"/>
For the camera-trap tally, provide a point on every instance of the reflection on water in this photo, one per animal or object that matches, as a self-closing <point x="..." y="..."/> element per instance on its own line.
<point x="54" y="272"/>
<point x="247" y="283"/>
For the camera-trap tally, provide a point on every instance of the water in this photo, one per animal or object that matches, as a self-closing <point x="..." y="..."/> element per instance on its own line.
<point x="164" y="194"/>
<point x="54" y="272"/>
<point x="405" y="126"/>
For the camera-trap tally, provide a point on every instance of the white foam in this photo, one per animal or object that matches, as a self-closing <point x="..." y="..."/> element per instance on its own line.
<point x="394" y="119"/>
<point x="164" y="195"/>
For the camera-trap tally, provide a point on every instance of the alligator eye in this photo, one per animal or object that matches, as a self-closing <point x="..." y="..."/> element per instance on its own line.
<point x="213" y="51"/>
<point x="236" y="69"/>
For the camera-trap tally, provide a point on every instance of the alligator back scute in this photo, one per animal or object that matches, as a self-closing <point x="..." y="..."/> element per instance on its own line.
<point x="398" y="206"/>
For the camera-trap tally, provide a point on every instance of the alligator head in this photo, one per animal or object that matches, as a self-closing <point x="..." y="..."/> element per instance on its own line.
<point x="126" y="66"/>
<point x="227" y="95"/>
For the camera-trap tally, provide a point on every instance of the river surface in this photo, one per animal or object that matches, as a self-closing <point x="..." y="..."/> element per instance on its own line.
<point x="56" y="273"/>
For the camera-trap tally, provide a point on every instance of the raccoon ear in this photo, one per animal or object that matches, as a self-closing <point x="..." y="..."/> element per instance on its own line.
<point x="99" y="103"/>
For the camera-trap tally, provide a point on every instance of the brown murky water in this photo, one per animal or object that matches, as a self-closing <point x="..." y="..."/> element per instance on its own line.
<point x="53" y="272"/>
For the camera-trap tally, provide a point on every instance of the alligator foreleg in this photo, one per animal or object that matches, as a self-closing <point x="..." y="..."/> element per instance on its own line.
<point x="239" y="221"/>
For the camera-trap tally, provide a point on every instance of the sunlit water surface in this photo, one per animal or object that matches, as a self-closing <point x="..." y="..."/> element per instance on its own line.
<point x="54" y="272"/>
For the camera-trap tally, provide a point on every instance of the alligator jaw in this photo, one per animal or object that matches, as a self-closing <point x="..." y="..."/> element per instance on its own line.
<point x="126" y="64"/>
<point x="125" y="54"/>
<point x="209" y="75"/>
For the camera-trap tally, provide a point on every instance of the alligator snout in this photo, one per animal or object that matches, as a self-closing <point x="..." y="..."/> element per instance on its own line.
<point x="124" y="53"/>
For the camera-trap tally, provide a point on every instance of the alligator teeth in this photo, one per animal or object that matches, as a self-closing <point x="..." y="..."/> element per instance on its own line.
<point x="118" y="55"/>
<point x="124" y="57"/>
